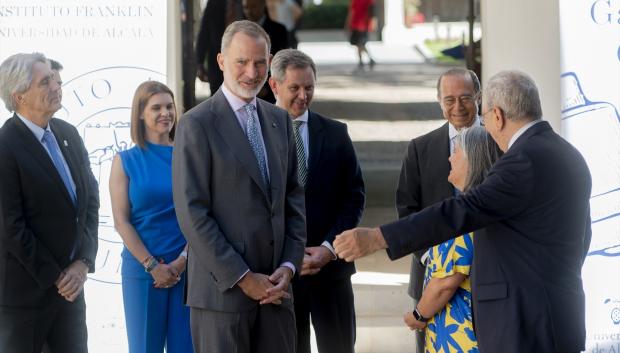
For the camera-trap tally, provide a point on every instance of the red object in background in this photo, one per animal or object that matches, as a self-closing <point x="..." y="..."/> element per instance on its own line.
<point x="361" y="14"/>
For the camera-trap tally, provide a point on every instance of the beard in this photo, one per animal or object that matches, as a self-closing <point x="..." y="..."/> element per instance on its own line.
<point x="241" y="92"/>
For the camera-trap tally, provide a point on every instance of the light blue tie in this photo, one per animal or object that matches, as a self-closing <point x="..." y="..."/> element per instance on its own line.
<point x="54" y="150"/>
<point x="256" y="143"/>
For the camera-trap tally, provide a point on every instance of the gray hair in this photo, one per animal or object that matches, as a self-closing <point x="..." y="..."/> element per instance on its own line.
<point x="459" y="71"/>
<point x="515" y="93"/>
<point x="16" y="76"/>
<point x="246" y="27"/>
<point x="290" y="57"/>
<point x="481" y="152"/>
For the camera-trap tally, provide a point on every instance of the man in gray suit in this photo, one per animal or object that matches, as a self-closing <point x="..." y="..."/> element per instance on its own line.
<point x="240" y="206"/>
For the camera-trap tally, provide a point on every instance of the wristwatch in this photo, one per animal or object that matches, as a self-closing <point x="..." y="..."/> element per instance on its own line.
<point x="417" y="316"/>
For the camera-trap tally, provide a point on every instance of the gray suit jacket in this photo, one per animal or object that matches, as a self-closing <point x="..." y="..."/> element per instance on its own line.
<point x="231" y="221"/>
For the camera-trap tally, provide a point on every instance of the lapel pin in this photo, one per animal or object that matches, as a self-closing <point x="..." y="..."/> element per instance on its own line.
<point x="66" y="143"/>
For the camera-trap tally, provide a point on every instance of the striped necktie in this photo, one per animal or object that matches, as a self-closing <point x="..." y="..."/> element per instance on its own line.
<point x="254" y="137"/>
<point x="302" y="169"/>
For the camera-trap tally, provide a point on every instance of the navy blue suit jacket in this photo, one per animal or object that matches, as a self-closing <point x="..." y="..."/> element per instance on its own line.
<point x="533" y="214"/>
<point x="334" y="189"/>
<point x="41" y="230"/>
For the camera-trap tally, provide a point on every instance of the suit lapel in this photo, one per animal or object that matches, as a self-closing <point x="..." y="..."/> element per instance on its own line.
<point x="270" y="130"/>
<point x="441" y="160"/>
<point x="315" y="143"/>
<point x="232" y="134"/>
<point x="34" y="147"/>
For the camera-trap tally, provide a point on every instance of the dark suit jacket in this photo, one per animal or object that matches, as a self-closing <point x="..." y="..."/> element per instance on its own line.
<point x="279" y="40"/>
<point x="334" y="188"/>
<point x="534" y="217"/>
<point x="423" y="181"/>
<point x="231" y="221"/>
<point x="209" y="41"/>
<point x="39" y="225"/>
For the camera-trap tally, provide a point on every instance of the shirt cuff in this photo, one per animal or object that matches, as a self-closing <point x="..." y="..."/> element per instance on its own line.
<point x="244" y="273"/>
<point x="331" y="249"/>
<point x="289" y="265"/>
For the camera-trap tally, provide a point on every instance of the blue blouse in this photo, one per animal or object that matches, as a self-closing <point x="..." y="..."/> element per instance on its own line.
<point x="149" y="171"/>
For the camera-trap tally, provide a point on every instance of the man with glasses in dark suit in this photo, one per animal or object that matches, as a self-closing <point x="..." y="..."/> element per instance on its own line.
<point x="424" y="173"/>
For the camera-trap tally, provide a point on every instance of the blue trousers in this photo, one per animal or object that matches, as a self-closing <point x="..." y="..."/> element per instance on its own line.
<point x="156" y="317"/>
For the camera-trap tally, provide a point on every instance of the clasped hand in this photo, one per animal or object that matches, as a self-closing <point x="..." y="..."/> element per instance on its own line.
<point x="267" y="289"/>
<point x="315" y="257"/>
<point x="412" y="323"/>
<point x="168" y="275"/>
<point x="70" y="283"/>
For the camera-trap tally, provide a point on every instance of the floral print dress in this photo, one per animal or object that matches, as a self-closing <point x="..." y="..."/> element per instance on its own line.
<point x="451" y="329"/>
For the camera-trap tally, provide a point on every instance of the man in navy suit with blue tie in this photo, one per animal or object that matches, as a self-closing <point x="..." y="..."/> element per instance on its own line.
<point x="334" y="190"/>
<point x="48" y="215"/>
<point x="531" y="218"/>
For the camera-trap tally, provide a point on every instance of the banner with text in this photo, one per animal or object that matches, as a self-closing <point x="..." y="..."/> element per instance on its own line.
<point x="107" y="49"/>
<point x="590" y="81"/>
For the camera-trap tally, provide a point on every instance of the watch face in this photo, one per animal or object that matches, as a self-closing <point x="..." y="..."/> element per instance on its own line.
<point x="419" y="317"/>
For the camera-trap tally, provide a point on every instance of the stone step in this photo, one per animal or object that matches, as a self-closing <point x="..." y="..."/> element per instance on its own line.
<point x="376" y="111"/>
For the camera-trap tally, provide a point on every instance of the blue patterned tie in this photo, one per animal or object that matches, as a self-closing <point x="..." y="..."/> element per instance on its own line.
<point x="54" y="150"/>
<point x="254" y="138"/>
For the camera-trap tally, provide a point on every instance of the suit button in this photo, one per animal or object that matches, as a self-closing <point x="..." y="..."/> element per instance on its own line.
<point x="271" y="242"/>
<point x="273" y="214"/>
<point x="77" y="220"/>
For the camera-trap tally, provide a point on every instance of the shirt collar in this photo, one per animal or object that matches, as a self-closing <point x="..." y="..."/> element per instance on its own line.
<point x="303" y="117"/>
<point x="235" y="102"/>
<point x="521" y="131"/>
<point x="36" y="129"/>
<point x="453" y="132"/>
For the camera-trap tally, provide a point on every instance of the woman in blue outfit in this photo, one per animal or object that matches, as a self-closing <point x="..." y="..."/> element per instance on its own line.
<point x="155" y="253"/>
<point x="445" y="310"/>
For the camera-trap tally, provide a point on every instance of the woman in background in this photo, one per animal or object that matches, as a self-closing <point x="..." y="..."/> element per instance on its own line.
<point x="155" y="253"/>
<point x="445" y="309"/>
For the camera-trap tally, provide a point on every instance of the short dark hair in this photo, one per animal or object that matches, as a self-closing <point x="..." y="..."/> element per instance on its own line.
<point x="56" y="66"/>
<point x="144" y="92"/>
<point x="459" y="71"/>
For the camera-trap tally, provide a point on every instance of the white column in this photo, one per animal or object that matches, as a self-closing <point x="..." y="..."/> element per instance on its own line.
<point x="525" y="35"/>
<point x="174" y="76"/>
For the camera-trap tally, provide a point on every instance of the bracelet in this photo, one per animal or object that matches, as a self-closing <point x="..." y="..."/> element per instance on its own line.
<point x="183" y="254"/>
<point x="145" y="261"/>
<point x="151" y="264"/>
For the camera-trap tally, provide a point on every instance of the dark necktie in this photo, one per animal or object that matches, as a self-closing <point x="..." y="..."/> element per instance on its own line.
<point x="54" y="150"/>
<point x="302" y="169"/>
<point x="253" y="135"/>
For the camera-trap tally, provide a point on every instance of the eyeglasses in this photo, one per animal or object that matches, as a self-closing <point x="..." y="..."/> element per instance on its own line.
<point x="449" y="102"/>
<point x="482" y="116"/>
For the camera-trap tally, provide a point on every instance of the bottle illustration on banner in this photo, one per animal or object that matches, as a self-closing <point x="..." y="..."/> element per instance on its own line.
<point x="594" y="129"/>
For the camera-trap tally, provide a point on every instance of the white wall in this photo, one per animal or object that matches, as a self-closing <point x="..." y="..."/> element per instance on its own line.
<point x="173" y="44"/>
<point x="524" y="35"/>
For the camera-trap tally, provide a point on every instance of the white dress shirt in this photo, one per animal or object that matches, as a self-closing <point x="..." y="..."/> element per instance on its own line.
<point x="521" y="131"/>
